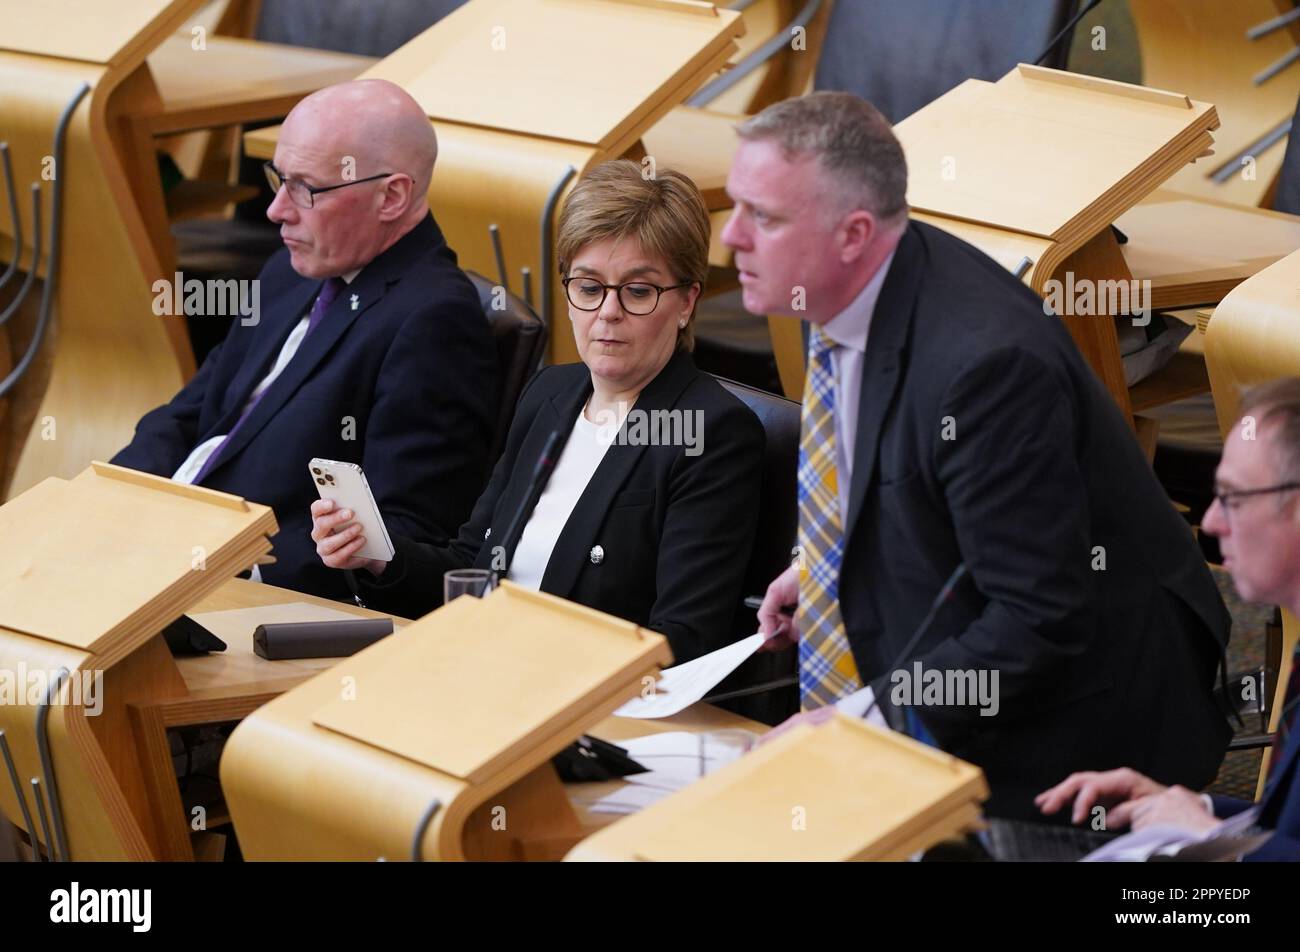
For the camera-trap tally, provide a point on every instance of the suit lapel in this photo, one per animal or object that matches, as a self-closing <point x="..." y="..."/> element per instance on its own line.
<point x="1287" y="770"/>
<point x="367" y="290"/>
<point x="882" y="365"/>
<point x="555" y="415"/>
<point x="311" y="352"/>
<point x="262" y="354"/>
<point x="570" y="552"/>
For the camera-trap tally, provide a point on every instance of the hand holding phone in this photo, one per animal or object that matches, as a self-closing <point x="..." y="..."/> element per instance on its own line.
<point x="345" y="485"/>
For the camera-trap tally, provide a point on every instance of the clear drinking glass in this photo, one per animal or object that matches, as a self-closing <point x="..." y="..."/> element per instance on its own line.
<point x="476" y="582"/>
<point x="719" y="748"/>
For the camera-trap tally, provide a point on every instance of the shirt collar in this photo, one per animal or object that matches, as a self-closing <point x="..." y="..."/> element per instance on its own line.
<point x="850" y="326"/>
<point x="351" y="276"/>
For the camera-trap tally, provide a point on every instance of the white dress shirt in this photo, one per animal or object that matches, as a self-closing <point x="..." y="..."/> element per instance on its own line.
<point x="849" y="329"/>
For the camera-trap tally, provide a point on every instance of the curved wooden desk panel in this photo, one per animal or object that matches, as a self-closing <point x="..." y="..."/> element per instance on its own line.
<point x="461" y="710"/>
<point x="103" y="803"/>
<point x="1200" y="47"/>
<point x="112" y="359"/>
<point x="1253" y="337"/>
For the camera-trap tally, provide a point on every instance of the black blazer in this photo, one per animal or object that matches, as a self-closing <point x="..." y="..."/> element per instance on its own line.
<point x="404" y="385"/>
<point x="983" y="436"/>
<point x="675" y="530"/>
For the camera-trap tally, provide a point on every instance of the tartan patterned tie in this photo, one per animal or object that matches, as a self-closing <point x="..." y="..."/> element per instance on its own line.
<point x="827" y="670"/>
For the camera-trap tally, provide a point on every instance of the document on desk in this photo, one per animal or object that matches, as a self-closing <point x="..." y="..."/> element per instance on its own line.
<point x="1228" y="841"/>
<point x="676" y="759"/>
<point x="682" y="685"/>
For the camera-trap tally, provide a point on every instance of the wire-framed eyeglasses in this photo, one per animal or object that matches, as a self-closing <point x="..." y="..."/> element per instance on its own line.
<point x="1230" y="499"/>
<point x="304" y="195"/>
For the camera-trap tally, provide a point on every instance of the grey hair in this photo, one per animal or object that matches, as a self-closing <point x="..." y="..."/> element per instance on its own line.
<point x="1278" y="401"/>
<point x="851" y="140"/>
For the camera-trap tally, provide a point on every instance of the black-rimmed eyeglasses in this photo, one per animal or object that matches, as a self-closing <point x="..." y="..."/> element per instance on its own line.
<point x="1230" y="498"/>
<point x="637" y="297"/>
<point x="304" y="195"/>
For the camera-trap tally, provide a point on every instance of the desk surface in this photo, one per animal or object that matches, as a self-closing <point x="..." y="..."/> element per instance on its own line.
<point x="238" y="673"/>
<point x="231" y="80"/>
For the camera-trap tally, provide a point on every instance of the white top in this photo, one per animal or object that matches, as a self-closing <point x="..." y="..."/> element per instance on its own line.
<point x="586" y="447"/>
<point x="849" y="329"/>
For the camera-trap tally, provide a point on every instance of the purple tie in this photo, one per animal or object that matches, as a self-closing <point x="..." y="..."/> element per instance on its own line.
<point x="328" y="292"/>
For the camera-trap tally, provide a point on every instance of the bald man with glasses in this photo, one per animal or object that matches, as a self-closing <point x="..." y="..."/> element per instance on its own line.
<point x="370" y="346"/>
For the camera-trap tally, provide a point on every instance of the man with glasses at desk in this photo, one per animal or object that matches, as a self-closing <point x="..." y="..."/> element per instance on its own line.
<point x="370" y="346"/>
<point x="1256" y="518"/>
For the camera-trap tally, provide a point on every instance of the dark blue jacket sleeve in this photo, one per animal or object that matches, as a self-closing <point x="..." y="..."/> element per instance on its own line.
<point x="164" y="437"/>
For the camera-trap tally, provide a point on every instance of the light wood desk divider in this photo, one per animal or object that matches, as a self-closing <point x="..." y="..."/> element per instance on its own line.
<point x="1034" y="168"/>
<point x="842" y="790"/>
<point x="108" y="358"/>
<point x="435" y="742"/>
<point x="1252" y="337"/>
<point x="1204" y="48"/>
<point x="97" y="566"/>
<point x="525" y="95"/>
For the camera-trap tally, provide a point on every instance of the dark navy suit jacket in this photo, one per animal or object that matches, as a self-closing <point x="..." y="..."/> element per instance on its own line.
<point x="984" y="438"/>
<point x="1279" y="810"/>
<point x="404" y="384"/>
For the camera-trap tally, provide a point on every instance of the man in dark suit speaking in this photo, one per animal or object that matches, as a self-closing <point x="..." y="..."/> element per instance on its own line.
<point x="370" y="346"/>
<point x="948" y="420"/>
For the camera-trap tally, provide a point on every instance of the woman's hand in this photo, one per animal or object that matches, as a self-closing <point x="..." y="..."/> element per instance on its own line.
<point x="337" y="538"/>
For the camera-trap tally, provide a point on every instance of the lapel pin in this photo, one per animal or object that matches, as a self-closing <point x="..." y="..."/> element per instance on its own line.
<point x="355" y="301"/>
<point x="597" y="555"/>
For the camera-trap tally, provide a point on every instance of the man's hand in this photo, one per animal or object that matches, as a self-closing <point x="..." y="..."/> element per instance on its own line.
<point x="814" y="717"/>
<point x="337" y="538"/>
<point x="1176" y="806"/>
<point x="1116" y="790"/>
<point x="776" y="626"/>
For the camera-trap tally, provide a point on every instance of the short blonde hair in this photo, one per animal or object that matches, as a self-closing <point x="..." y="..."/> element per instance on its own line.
<point x="663" y="211"/>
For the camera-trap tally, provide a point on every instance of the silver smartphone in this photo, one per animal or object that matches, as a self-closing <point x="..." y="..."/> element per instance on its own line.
<point x="345" y="485"/>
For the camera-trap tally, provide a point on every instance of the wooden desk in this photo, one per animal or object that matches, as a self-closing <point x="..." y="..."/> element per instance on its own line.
<point x="1195" y="250"/>
<point x="233" y="81"/>
<point x="230" y="685"/>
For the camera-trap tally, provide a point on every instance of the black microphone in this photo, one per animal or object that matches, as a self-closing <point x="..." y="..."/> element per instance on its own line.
<point x="541" y="473"/>
<point x="944" y="594"/>
<point x="1056" y="40"/>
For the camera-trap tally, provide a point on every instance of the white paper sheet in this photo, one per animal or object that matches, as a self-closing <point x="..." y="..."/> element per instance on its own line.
<point x="629" y="800"/>
<point x="1227" y="840"/>
<point x="676" y="759"/>
<point x="682" y="685"/>
<point x="856" y="704"/>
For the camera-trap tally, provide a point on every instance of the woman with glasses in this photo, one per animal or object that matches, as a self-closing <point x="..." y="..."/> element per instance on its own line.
<point x="649" y="508"/>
